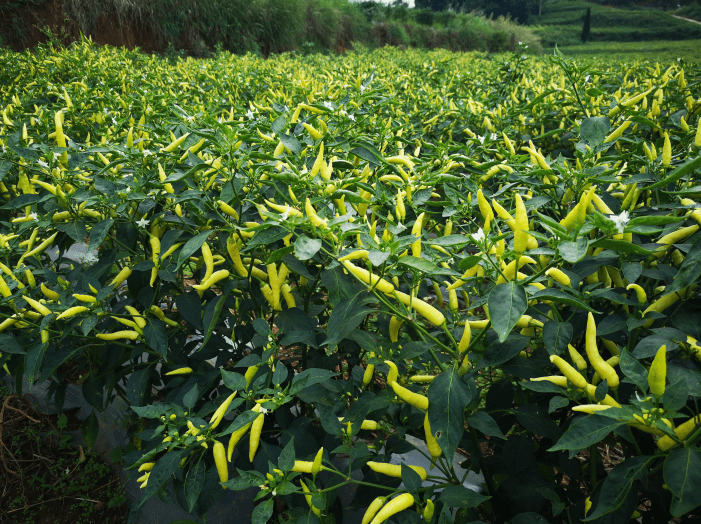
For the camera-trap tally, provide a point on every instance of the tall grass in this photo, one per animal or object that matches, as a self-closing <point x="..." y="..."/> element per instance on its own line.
<point x="274" y="26"/>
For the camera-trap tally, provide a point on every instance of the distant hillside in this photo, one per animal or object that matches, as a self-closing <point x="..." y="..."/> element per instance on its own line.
<point x="561" y="23"/>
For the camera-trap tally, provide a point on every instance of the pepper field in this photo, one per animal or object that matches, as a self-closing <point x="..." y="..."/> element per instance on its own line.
<point x="294" y="263"/>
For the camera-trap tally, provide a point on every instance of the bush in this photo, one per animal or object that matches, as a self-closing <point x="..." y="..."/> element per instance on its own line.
<point x="311" y="261"/>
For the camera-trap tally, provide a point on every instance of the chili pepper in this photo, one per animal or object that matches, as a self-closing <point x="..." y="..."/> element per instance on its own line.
<point x="415" y="399"/>
<point x="256" y="428"/>
<point x="394" y="325"/>
<point x="180" y="371"/>
<point x="394" y="506"/>
<point x="392" y="470"/>
<point x="657" y="375"/>
<point x="426" y="310"/>
<point x="220" y="460"/>
<point x="117" y="335"/>
<point x="89" y="299"/>
<point x="697" y="138"/>
<point x="577" y="358"/>
<point x="683" y="430"/>
<point x="308" y="498"/>
<point x="42" y="247"/>
<point x="4" y="288"/>
<point x="221" y="411"/>
<point x="316" y="465"/>
<point x="431" y="443"/>
<point x="41" y="308"/>
<point x="416" y="231"/>
<point x="372" y="510"/>
<point x="393" y="372"/>
<point x="618" y="131"/>
<point x="369" y="278"/>
<point x="215" y="277"/>
<point x="666" y="151"/>
<point x="559" y="276"/>
<point x="662" y="304"/>
<point x="428" y="510"/>
<point x="605" y="371"/>
<point x="124" y="274"/>
<point x="521" y="226"/>
<point x="570" y="373"/>
<point x="72" y="311"/>
<point x="238" y="435"/>
<point x="639" y="293"/>
<point x="591" y="408"/>
<point x="485" y="210"/>
<point x="174" y="144"/>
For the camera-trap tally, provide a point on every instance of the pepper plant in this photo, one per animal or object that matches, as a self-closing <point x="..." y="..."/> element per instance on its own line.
<point x="293" y="265"/>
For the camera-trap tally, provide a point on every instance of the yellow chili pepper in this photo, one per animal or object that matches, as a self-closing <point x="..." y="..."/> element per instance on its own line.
<point x="72" y="311"/>
<point x="256" y="428"/>
<point x="117" y="335"/>
<point x="426" y="310"/>
<point x="415" y="399"/>
<point x="392" y="470"/>
<point x="605" y="371"/>
<point x="657" y="376"/>
<point x="397" y="504"/>
<point x="372" y="510"/>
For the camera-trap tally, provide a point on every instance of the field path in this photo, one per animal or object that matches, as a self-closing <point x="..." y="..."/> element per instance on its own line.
<point x="687" y="19"/>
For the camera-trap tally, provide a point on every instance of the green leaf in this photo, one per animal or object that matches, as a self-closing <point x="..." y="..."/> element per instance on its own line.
<point x="155" y="335"/>
<point x="306" y="248"/>
<point x="162" y="473"/>
<point x="191" y="397"/>
<point x="448" y="396"/>
<point x="137" y="386"/>
<point x="499" y="352"/>
<point x="683" y="170"/>
<point x="308" y="378"/>
<point x="234" y="381"/>
<point x="75" y="230"/>
<point x="584" y="431"/>
<point x="618" y="484"/>
<point x="556" y="295"/>
<point x="194" y="482"/>
<point x="410" y="479"/>
<point x="507" y="303"/>
<point x="366" y="154"/>
<point x="675" y="395"/>
<point x="90" y="429"/>
<point x="266" y="237"/>
<point x="262" y="512"/>
<point x="99" y="231"/>
<point x="594" y="130"/>
<point x="485" y="423"/>
<point x="9" y="345"/>
<point x="633" y="369"/>
<point x="211" y="316"/>
<point x="191" y="246"/>
<point x="286" y="460"/>
<point x="190" y="308"/>
<point x="346" y="316"/>
<point x="291" y="143"/>
<point x="621" y="246"/>
<point x="424" y="266"/>
<point x="461" y="497"/>
<point x="573" y="252"/>
<point x="690" y="270"/>
<point x="682" y="474"/>
<point x="556" y="336"/>
<point x="535" y="419"/>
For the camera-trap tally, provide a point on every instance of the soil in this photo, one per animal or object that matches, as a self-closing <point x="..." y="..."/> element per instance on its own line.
<point x="46" y="480"/>
<point x="26" y="26"/>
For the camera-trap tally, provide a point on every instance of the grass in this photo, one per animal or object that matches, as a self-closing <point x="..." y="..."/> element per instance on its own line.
<point x="562" y="20"/>
<point x="654" y="51"/>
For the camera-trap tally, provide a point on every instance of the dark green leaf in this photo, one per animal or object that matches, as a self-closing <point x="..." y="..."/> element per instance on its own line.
<point x="365" y="154"/>
<point x="291" y="143"/>
<point x="75" y="230"/>
<point x="507" y="303"/>
<point x="306" y="248"/>
<point x="584" y="431"/>
<point x="633" y="369"/>
<point x="286" y="461"/>
<point x="234" y="381"/>
<point x="682" y="474"/>
<point x="461" y="497"/>
<point x="535" y="419"/>
<point x="410" y="479"/>
<point x="556" y="295"/>
<point x="155" y="335"/>
<point x="9" y="345"/>
<point x="621" y="246"/>
<point x="90" y="428"/>
<point x="683" y="170"/>
<point x="162" y="473"/>
<point x="191" y="246"/>
<point x="556" y="336"/>
<point x="346" y="316"/>
<point x="690" y="270"/>
<point x="190" y="308"/>
<point x="485" y="423"/>
<point x="308" y="378"/>
<point x="193" y="483"/>
<point x="499" y="352"/>
<point x="211" y="316"/>
<point x="618" y="484"/>
<point x="99" y="231"/>
<point x="573" y="252"/>
<point x="448" y="396"/>
<point x="675" y="395"/>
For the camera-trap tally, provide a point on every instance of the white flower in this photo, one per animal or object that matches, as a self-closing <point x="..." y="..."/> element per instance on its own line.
<point x="481" y="139"/>
<point x="57" y="156"/>
<point x="68" y="470"/>
<point x="479" y="236"/>
<point x="264" y="411"/>
<point x="620" y="221"/>
<point x="249" y="114"/>
<point x="493" y="136"/>
<point x="352" y="117"/>
<point x="286" y="214"/>
<point x="143" y="222"/>
<point x="328" y="105"/>
<point x="128" y="189"/>
<point x="42" y="163"/>
<point x="147" y="152"/>
<point x="362" y="88"/>
<point x="33" y="216"/>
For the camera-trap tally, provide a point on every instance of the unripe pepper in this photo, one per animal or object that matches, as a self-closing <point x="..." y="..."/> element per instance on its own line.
<point x="180" y="371"/>
<point x="395" y="470"/>
<point x="220" y="460"/>
<point x="605" y="371"/>
<point x="121" y="277"/>
<point x="415" y="399"/>
<point x="308" y="498"/>
<point x="426" y="310"/>
<point x="428" y="510"/>
<point x="657" y="376"/>
<point x="221" y="411"/>
<point x="397" y="504"/>
<point x="72" y="311"/>
<point x="372" y="510"/>
<point x="570" y="373"/>
<point x="431" y="443"/>
<point x="118" y="335"/>
<point x="683" y="430"/>
<point x="521" y="226"/>
<point x="369" y="278"/>
<point x="256" y="428"/>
